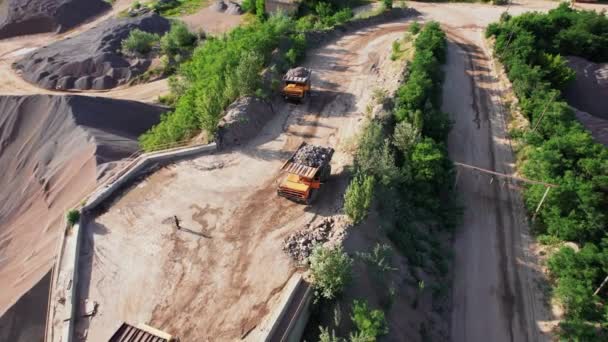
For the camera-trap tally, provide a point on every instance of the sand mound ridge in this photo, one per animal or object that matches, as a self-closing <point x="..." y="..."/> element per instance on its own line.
<point x="92" y="59"/>
<point x="21" y="17"/>
<point x="53" y="149"/>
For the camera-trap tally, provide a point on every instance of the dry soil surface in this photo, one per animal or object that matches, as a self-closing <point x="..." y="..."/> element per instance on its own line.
<point x="220" y="274"/>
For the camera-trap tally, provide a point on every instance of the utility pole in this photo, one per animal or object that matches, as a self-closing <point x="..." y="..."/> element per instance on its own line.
<point x="543" y="113"/>
<point x="540" y="203"/>
<point x="601" y="285"/>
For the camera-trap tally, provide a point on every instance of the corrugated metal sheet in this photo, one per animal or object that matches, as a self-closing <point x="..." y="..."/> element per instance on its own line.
<point x="300" y="170"/>
<point x="129" y="333"/>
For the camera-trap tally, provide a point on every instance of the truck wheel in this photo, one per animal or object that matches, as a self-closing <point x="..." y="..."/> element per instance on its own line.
<point x="312" y="197"/>
<point x="325" y="173"/>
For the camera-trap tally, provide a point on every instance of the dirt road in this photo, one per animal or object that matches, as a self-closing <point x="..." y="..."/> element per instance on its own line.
<point x="495" y="292"/>
<point x="221" y="275"/>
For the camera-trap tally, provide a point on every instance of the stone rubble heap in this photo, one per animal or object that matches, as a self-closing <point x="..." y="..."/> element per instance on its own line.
<point x="300" y="244"/>
<point x="313" y="156"/>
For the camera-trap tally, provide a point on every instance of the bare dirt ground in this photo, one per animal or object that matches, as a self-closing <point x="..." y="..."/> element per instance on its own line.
<point x="211" y="21"/>
<point x="219" y="276"/>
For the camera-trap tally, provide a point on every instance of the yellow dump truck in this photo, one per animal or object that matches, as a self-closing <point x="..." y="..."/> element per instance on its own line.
<point x="296" y="84"/>
<point x="306" y="170"/>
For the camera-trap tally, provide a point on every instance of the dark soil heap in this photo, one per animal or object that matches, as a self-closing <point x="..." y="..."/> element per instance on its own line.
<point x="91" y="60"/>
<point x="589" y="91"/>
<point x="21" y="17"/>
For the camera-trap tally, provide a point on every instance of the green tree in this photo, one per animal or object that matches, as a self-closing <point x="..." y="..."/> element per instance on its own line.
<point x="370" y="323"/>
<point x="140" y="42"/>
<point x="358" y="197"/>
<point x="331" y="270"/>
<point x="73" y="216"/>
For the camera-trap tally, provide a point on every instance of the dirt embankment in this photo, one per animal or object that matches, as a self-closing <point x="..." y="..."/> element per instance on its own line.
<point x="589" y="91"/>
<point x="52" y="151"/>
<point x="92" y="59"/>
<point x="21" y="17"/>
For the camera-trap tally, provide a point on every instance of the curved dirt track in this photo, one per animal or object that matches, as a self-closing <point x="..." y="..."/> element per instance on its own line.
<point x="221" y="275"/>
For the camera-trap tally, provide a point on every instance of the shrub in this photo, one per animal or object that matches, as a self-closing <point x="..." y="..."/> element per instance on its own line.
<point x="370" y="323"/>
<point x="140" y="42"/>
<point x="358" y="197"/>
<point x="415" y="28"/>
<point x="260" y="9"/>
<point x="73" y="216"/>
<point x="388" y="4"/>
<point x="405" y="136"/>
<point x="331" y="270"/>
<point x="177" y="40"/>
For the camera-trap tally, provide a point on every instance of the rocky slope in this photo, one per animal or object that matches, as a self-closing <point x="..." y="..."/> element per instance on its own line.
<point x="21" y="17"/>
<point x="92" y="59"/>
<point x="53" y="149"/>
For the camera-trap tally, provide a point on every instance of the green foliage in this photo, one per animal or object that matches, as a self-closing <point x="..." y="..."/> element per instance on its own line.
<point x="248" y="6"/>
<point x="500" y="2"/>
<point x="331" y="270"/>
<point x="370" y="323"/>
<point x="177" y="45"/>
<point x="327" y="336"/>
<point x="260" y="9"/>
<point x="405" y="136"/>
<point x="418" y="99"/>
<point x="139" y="42"/>
<point x="358" y="197"/>
<point x="73" y="216"/>
<point x="175" y="8"/>
<point x="387" y="3"/>
<point x="219" y="71"/>
<point x="415" y="27"/>
<point x="561" y="152"/>
<point x="380" y="259"/>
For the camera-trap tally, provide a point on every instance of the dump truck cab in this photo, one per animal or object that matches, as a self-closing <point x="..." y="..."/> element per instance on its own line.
<point x="302" y="182"/>
<point x="296" y="83"/>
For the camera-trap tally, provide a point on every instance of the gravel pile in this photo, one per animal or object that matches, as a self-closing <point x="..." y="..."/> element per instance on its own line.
<point x="313" y="156"/>
<point x="299" y="245"/>
<point x="92" y="59"/>
<point x="21" y="17"/>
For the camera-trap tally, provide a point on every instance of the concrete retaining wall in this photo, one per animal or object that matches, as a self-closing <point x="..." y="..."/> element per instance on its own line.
<point x="141" y="164"/>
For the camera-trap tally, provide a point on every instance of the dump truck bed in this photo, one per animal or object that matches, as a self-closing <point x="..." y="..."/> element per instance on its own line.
<point x="291" y="166"/>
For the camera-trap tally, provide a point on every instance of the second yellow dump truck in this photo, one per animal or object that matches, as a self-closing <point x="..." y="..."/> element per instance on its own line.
<point x="306" y="170"/>
<point x="296" y="83"/>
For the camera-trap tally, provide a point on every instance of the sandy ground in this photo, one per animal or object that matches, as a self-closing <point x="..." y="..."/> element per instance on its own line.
<point x="211" y="21"/>
<point x="219" y="276"/>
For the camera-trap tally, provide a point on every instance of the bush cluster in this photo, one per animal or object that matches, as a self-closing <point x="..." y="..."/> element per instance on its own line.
<point x="331" y="271"/>
<point x="139" y="42"/>
<point x="219" y="71"/>
<point x="560" y="151"/>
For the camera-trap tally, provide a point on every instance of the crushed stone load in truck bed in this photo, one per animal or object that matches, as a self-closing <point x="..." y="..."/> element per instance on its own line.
<point x="298" y="72"/>
<point x="313" y="156"/>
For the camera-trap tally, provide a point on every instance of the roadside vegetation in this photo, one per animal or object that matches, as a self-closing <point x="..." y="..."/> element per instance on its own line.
<point x="402" y="172"/>
<point x="227" y="67"/>
<point x="173" y="48"/>
<point x="557" y="150"/>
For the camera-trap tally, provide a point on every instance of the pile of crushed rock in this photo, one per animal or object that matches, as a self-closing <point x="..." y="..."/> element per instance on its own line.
<point x="21" y="17"/>
<point x="300" y="244"/>
<point x="313" y="156"/>
<point x="92" y="59"/>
